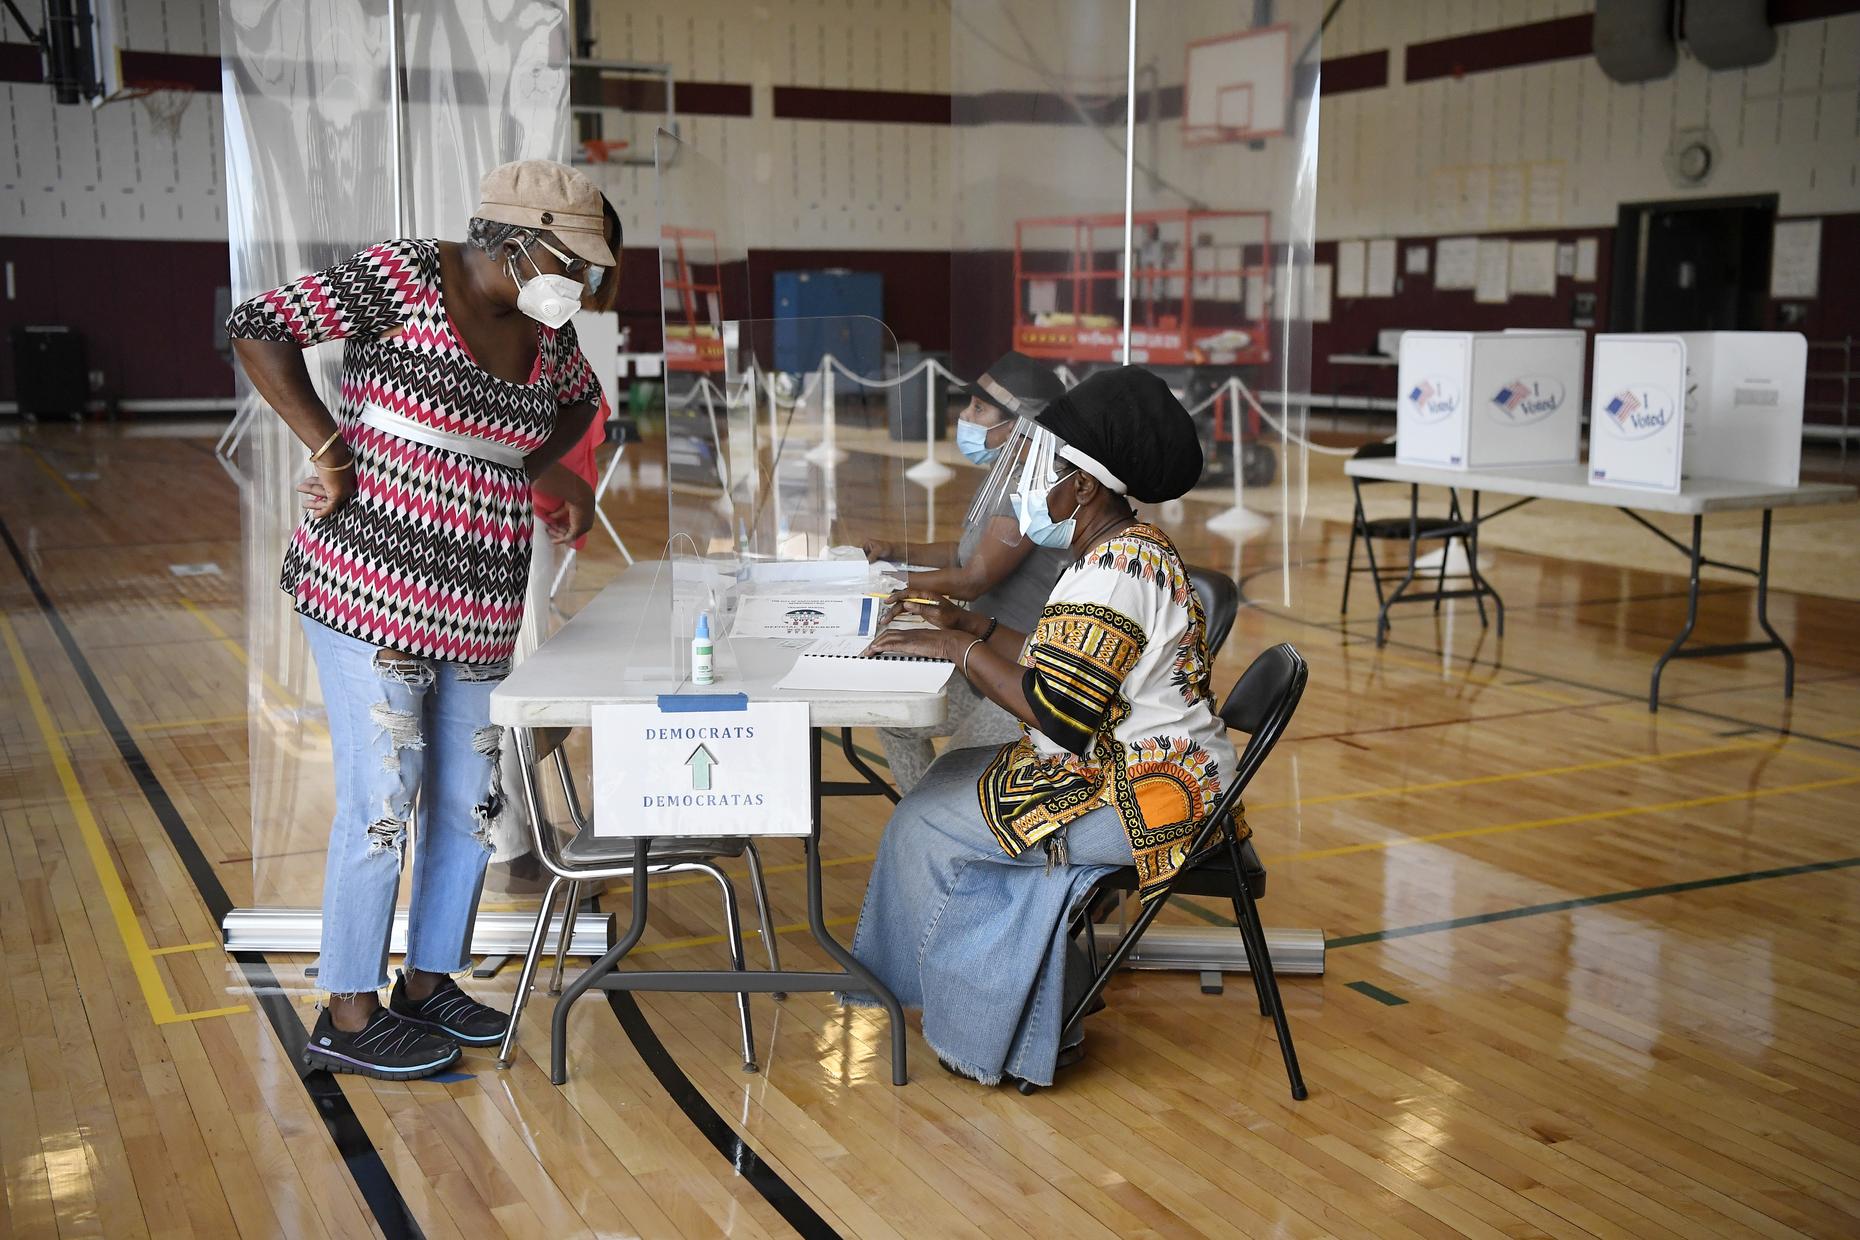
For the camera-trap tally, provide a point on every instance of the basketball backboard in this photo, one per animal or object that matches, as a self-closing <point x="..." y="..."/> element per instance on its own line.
<point x="1234" y="88"/>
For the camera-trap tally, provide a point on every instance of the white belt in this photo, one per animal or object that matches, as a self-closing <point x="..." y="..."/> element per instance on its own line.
<point x="384" y="419"/>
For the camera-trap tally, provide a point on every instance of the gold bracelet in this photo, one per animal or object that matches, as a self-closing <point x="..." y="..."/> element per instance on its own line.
<point x="334" y="436"/>
<point x="335" y="469"/>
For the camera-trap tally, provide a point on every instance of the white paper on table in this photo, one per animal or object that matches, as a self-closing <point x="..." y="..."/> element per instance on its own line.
<point x="1457" y="264"/>
<point x="1532" y="268"/>
<point x="1795" y="259"/>
<point x="1493" y="287"/>
<point x="1381" y="278"/>
<point x="1416" y="264"/>
<point x="1588" y="253"/>
<point x="1352" y="258"/>
<point x="826" y="668"/>
<point x="805" y="615"/>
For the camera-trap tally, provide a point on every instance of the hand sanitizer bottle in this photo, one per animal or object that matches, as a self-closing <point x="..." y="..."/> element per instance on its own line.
<point x="700" y="651"/>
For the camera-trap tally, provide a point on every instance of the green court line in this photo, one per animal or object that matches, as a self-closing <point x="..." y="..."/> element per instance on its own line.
<point x="1376" y="992"/>
<point x="1612" y="897"/>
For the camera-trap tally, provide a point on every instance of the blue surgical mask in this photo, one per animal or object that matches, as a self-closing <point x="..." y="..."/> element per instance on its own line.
<point x="972" y="441"/>
<point x="1038" y="524"/>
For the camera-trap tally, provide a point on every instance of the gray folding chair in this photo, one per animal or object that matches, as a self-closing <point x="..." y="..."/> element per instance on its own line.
<point x="587" y="858"/>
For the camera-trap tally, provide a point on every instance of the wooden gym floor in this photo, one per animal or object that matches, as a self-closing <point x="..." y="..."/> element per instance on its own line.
<point x="1591" y="971"/>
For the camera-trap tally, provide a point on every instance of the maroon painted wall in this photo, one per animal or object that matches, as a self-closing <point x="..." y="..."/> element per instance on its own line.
<point x="145" y="309"/>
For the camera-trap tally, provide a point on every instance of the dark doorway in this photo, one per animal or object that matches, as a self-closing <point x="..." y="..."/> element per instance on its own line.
<point x="1692" y="265"/>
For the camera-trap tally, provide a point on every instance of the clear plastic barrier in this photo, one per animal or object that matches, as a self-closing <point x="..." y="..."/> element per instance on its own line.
<point x="311" y="180"/>
<point x="1222" y="132"/>
<point x="764" y="498"/>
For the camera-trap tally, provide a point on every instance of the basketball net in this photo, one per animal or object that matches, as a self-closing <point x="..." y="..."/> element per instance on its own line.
<point x="165" y="107"/>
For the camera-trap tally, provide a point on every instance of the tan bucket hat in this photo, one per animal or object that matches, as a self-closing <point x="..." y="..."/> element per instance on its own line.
<point x="540" y="193"/>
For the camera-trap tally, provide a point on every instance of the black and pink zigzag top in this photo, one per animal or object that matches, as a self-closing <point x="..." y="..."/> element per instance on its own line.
<point x="432" y="554"/>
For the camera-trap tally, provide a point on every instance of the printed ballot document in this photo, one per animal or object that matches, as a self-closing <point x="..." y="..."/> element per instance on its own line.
<point x="840" y="665"/>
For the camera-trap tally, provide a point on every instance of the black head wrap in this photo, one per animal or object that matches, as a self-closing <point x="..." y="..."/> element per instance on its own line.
<point x="1130" y="423"/>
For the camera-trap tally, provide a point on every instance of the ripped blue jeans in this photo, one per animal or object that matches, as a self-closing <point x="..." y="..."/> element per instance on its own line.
<point x="402" y="732"/>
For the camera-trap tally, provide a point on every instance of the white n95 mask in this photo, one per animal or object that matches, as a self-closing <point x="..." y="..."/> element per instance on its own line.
<point x="550" y="300"/>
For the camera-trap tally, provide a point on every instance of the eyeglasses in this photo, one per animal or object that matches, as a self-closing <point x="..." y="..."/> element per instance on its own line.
<point x="575" y="268"/>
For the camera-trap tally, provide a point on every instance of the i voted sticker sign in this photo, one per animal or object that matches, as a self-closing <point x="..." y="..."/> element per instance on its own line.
<point x="1638" y="413"/>
<point x="1434" y="399"/>
<point x="1526" y="399"/>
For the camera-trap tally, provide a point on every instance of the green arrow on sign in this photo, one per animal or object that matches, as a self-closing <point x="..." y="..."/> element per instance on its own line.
<point x="700" y="762"/>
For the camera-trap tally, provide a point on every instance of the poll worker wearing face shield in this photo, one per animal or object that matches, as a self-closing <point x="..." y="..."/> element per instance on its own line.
<point x="462" y="385"/>
<point x="995" y="569"/>
<point x="1122" y="751"/>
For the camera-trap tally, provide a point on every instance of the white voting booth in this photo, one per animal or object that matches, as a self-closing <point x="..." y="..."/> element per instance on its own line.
<point x="1725" y="405"/>
<point x="1485" y="400"/>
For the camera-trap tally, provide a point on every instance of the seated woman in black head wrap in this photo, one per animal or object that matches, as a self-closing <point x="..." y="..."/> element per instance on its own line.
<point x="1121" y="751"/>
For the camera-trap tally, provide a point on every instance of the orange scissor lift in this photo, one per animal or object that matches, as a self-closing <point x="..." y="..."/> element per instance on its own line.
<point x="693" y="340"/>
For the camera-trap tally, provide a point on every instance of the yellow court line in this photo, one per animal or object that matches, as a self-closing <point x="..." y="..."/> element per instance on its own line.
<point x="52" y="473"/>
<point x="185" y="947"/>
<point x="1565" y="820"/>
<point x="165" y="725"/>
<point x="141" y="959"/>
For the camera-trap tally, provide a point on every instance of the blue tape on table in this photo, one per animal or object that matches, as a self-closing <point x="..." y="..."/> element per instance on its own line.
<point x="693" y="703"/>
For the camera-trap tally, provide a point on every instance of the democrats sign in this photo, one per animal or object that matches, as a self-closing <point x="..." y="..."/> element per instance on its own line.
<point x="1637" y="413"/>
<point x="741" y="769"/>
<point x="1524" y="400"/>
<point x="1435" y="398"/>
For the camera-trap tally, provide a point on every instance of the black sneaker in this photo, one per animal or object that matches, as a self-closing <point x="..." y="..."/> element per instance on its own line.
<point x="387" y="1048"/>
<point x="450" y="1011"/>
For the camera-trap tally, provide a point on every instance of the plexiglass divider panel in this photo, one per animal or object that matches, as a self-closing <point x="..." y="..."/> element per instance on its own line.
<point x="763" y="497"/>
<point x="311" y="180"/>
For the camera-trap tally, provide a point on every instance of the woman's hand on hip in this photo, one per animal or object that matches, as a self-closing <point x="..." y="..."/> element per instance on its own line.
<point x="327" y="490"/>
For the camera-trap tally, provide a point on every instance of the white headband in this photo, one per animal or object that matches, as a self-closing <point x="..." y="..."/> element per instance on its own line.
<point x="1095" y="469"/>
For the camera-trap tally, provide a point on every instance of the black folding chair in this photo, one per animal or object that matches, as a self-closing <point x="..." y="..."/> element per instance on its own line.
<point x="1260" y="705"/>
<point x="1220" y="599"/>
<point x="1413" y="529"/>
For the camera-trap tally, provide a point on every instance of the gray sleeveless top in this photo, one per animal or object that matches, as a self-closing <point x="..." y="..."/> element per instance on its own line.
<point x="1016" y="601"/>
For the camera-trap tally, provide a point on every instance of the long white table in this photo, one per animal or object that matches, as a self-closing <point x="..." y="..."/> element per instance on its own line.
<point x="1570" y="484"/>
<point x="591" y="661"/>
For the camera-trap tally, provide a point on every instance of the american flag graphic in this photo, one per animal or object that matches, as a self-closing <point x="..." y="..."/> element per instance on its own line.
<point x="1621" y="406"/>
<point x="1423" y="392"/>
<point x="1511" y="396"/>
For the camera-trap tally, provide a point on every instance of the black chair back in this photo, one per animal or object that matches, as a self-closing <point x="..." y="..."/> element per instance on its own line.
<point x="1261" y="706"/>
<point x="1220" y="599"/>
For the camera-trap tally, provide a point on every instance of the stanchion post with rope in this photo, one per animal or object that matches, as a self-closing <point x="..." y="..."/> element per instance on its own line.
<point x="1238" y="518"/>
<point x="929" y="472"/>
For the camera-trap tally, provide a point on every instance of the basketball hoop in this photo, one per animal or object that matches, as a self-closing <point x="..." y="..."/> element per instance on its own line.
<point x="601" y="150"/>
<point x="165" y="104"/>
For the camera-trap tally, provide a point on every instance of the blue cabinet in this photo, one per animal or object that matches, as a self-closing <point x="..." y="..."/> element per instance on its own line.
<point x="838" y="312"/>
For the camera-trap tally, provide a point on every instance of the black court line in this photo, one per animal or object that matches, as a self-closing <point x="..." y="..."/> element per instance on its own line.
<point x="345" y="1128"/>
<point x="1610" y="897"/>
<point x="1675" y="704"/>
<point x="724" y="1139"/>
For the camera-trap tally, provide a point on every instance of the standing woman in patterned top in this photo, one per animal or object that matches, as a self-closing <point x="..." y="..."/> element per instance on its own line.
<point x="1122" y="752"/>
<point x="461" y="385"/>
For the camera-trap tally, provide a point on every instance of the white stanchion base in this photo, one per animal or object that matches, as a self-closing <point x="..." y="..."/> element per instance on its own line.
<point x="1456" y="560"/>
<point x="824" y="454"/>
<point x="1238" y="520"/>
<point x="930" y="472"/>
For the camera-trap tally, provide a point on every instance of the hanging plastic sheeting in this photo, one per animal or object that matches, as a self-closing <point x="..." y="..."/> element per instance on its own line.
<point x="1154" y="159"/>
<point x="314" y="174"/>
<point x="1224" y="196"/>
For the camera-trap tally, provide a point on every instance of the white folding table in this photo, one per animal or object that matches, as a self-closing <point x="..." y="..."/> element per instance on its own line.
<point x="584" y="665"/>
<point x="1570" y="484"/>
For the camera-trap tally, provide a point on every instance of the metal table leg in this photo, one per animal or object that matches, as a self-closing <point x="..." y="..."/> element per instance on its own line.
<point x="1679" y="649"/>
<point x="604" y="974"/>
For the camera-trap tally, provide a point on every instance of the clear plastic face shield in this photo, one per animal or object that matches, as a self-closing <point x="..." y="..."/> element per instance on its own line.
<point x="1029" y="466"/>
